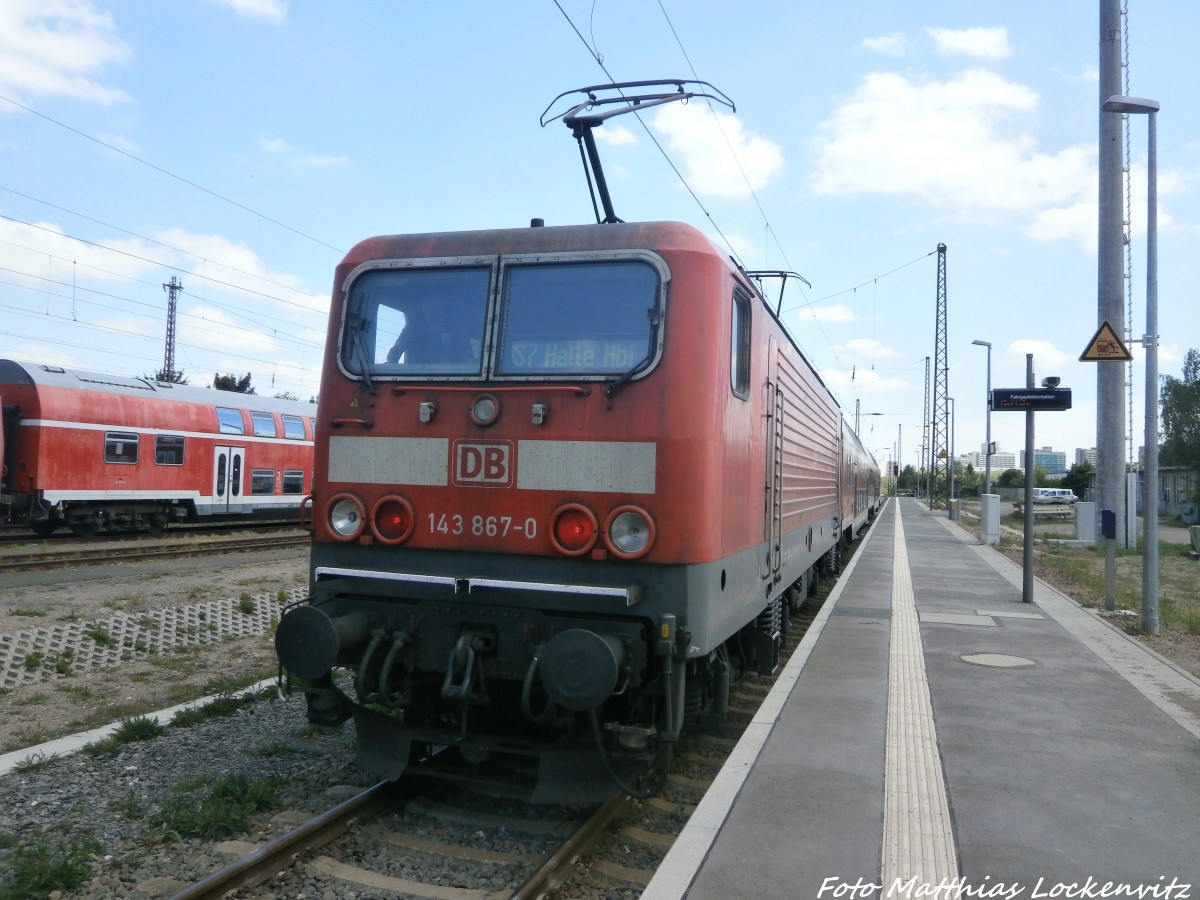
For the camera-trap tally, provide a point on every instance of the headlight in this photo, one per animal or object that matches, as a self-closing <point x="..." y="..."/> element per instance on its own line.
<point x="346" y="517"/>
<point x="573" y="529"/>
<point x="629" y="532"/>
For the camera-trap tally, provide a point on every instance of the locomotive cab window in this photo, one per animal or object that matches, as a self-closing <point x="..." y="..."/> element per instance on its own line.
<point x="168" y="450"/>
<point x="596" y="317"/>
<point x="416" y="321"/>
<point x="264" y="424"/>
<point x="229" y="421"/>
<point x="120" y="447"/>
<point x="739" y="362"/>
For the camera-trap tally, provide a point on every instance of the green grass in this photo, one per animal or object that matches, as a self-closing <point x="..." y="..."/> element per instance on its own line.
<point x="137" y="728"/>
<point x="41" y="865"/>
<point x="200" y="807"/>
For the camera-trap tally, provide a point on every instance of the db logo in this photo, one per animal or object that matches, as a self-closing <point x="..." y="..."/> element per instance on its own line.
<point x="487" y="464"/>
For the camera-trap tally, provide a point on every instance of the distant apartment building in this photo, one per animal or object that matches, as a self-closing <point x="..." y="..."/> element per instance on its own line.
<point x="1001" y="460"/>
<point x="1049" y="460"/>
<point x="1085" y="456"/>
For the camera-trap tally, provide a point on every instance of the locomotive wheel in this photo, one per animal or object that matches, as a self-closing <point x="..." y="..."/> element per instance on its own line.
<point x="85" y="528"/>
<point x="44" y="527"/>
<point x="156" y="523"/>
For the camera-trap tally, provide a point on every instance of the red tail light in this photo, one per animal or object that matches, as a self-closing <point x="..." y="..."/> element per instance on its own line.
<point x="392" y="520"/>
<point x="574" y="530"/>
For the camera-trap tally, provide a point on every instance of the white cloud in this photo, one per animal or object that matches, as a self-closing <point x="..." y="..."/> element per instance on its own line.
<point x="979" y="43"/>
<point x="868" y="348"/>
<point x="892" y="44"/>
<point x="615" y="135"/>
<point x="844" y="380"/>
<point x="238" y="267"/>
<point x="1044" y="353"/>
<point x="720" y="158"/>
<point x="952" y="144"/>
<point x="52" y="47"/>
<point x="270" y="10"/>
<point x="42" y="251"/>
<point x="833" y="313"/>
<point x="296" y="158"/>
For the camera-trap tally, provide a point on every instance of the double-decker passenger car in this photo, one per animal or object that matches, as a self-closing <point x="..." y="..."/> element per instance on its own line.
<point x="566" y="480"/>
<point x="93" y="451"/>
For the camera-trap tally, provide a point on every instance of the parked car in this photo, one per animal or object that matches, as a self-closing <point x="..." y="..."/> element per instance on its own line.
<point x="1054" y="495"/>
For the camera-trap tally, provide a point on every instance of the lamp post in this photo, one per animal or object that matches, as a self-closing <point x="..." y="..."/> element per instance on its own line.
<point x="1149" y="108"/>
<point x="987" y="459"/>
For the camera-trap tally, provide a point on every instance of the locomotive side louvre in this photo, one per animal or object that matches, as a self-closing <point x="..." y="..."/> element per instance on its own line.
<point x="570" y="514"/>
<point x="86" y="450"/>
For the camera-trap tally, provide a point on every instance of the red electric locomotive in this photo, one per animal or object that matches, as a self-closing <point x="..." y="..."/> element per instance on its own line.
<point x="94" y="451"/>
<point x="566" y="480"/>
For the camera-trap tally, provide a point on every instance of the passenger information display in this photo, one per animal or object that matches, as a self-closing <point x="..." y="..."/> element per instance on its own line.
<point x="1030" y="399"/>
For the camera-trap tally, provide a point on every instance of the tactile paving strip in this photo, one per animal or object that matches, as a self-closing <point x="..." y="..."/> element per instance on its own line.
<point x="28" y="657"/>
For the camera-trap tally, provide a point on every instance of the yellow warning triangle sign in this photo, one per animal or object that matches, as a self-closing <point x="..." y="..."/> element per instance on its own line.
<point x="1105" y="345"/>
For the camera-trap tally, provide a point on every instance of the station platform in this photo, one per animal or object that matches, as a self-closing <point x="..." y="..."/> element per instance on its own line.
<point x="934" y="737"/>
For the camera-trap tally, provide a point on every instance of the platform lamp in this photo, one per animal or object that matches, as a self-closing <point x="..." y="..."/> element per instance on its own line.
<point x="1148" y="108"/>
<point x="987" y="459"/>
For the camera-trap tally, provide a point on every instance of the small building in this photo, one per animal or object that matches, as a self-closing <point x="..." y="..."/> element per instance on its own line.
<point x="1176" y="493"/>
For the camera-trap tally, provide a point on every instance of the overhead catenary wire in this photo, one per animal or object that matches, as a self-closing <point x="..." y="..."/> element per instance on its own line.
<point x="171" y="174"/>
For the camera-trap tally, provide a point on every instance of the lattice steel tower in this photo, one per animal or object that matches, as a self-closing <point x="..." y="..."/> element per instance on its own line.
<point x="168" y="371"/>
<point x="939" y="448"/>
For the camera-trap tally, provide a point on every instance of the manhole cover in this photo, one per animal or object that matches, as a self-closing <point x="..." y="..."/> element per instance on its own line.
<point x="997" y="660"/>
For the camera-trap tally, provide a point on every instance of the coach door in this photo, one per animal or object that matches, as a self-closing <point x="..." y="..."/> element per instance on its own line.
<point x="773" y="514"/>
<point x="228" y="465"/>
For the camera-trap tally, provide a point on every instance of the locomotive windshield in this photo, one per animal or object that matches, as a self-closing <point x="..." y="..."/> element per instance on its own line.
<point x="417" y="321"/>
<point x="591" y="319"/>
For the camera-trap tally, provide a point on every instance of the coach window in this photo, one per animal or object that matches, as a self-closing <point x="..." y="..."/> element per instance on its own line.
<point x="293" y="427"/>
<point x="168" y="450"/>
<point x="262" y="481"/>
<point x="264" y="424"/>
<point x="739" y="362"/>
<point x="230" y="421"/>
<point x="293" y="481"/>
<point x="120" y="447"/>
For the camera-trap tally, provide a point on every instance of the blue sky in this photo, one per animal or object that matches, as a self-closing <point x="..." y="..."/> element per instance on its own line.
<point x="242" y="145"/>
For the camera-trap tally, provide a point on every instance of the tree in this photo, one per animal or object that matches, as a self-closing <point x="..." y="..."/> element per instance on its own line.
<point x="233" y="383"/>
<point x="1011" y="478"/>
<point x="287" y="395"/>
<point x="1079" y="478"/>
<point x="168" y="377"/>
<point x="1181" y="415"/>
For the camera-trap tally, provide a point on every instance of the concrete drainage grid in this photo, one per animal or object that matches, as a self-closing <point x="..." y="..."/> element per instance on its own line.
<point x="28" y="657"/>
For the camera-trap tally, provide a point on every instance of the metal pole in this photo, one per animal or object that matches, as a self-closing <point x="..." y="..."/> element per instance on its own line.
<point x="1150" y="488"/>
<point x="950" y="495"/>
<point x="1110" y="378"/>
<point x="1150" y="343"/>
<point x="987" y="459"/>
<point x="1027" y="553"/>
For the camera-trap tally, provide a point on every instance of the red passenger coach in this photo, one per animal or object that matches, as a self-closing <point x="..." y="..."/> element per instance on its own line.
<point x="94" y="451"/>
<point x="566" y="480"/>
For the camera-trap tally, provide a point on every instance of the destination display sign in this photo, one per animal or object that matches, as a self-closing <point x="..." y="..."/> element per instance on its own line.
<point x="1030" y="399"/>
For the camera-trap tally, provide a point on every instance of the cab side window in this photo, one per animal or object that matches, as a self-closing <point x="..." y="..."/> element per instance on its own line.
<point x="739" y="351"/>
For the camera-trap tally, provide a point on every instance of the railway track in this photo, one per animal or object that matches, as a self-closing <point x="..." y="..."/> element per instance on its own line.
<point x="378" y="840"/>
<point x="530" y="871"/>
<point x="75" y="554"/>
